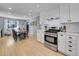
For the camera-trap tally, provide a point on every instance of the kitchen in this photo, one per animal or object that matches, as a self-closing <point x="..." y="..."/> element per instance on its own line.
<point x="67" y="22"/>
<point x="54" y="25"/>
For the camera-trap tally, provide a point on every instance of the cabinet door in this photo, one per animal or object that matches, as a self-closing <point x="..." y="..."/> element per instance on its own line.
<point x="74" y="12"/>
<point x="64" y="12"/>
<point x="77" y="46"/>
<point x="61" y="42"/>
<point x="40" y="36"/>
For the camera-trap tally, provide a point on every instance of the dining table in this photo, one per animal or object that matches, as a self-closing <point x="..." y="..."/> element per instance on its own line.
<point x="21" y="34"/>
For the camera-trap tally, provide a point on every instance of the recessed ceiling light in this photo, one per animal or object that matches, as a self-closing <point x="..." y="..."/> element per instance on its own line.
<point x="9" y="8"/>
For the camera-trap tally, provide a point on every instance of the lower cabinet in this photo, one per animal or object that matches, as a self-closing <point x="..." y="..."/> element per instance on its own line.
<point x="61" y="42"/>
<point x="77" y="45"/>
<point x="40" y="36"/>
<point x="68" y="44"/>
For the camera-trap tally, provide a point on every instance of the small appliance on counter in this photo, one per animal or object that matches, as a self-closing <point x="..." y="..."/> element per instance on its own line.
<point x="51" y="38"/>
<point x="63" y="28"/>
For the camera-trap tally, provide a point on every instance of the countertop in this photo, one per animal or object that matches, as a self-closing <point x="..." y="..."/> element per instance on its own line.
<point x="71" y="33"/>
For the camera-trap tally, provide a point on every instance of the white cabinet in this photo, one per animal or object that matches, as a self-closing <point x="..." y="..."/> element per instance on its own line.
<point x="64" y="12"/>
<point x="61" y="42"/>
<point x="68" y="44"/>
<point x="40" y="36"/>
<point x="69" y="12"/>
<point x="74" y="12"/>
<point x="77" y="45"/>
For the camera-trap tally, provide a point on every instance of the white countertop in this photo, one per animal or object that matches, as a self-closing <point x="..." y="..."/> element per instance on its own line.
<point x="71" y="33"/>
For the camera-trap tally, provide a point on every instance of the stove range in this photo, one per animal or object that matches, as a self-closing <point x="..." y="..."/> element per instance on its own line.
<point x="50" y="39"/>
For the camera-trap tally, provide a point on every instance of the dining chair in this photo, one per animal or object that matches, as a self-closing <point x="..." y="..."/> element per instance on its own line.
<point x="14" y="35"/>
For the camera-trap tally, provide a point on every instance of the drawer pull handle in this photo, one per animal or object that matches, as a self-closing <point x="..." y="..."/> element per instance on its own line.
<point x="61" y="35"/>
<point x="70" y="46"/>
<point x="70" y="50"/>
<point x="70" y="42"/>
<point x="70" y="37"/>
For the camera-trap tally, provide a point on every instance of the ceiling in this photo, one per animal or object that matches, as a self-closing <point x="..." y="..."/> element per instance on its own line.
<point x="26" y="9"/>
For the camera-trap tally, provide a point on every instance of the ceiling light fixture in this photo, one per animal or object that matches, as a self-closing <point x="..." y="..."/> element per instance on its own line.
<point x="9" y="8"/>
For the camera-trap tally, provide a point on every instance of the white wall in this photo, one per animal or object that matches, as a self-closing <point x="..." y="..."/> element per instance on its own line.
<point x="72" y="27"/>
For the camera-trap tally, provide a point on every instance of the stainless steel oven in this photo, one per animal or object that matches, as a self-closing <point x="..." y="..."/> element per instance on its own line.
<point x="50" y="39"/>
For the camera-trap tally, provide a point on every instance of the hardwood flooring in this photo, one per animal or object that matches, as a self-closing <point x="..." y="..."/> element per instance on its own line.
<point x="27" y="47"/>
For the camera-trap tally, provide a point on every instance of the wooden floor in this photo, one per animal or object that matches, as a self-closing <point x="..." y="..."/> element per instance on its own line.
<point x="26" y="47"/>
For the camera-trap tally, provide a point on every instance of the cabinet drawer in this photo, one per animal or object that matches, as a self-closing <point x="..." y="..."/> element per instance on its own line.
<point x="70" y="49"/>
<point x="69" y="37"/>
<point x="70" y="40"/>
<point x="61" y="36"/>
<point x="69" y="46"/>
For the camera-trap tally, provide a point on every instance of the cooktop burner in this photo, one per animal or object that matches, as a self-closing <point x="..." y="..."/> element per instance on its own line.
<point x="53" y="30"/>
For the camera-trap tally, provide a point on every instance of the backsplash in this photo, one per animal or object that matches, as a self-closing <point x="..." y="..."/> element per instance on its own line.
<point x="72" y="27"/>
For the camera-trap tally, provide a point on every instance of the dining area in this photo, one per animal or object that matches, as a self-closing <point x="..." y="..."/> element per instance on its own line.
<point x="19" y="34"/>
<point x="18" y="29"/>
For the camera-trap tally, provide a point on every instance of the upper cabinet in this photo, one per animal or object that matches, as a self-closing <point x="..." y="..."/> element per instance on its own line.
<point x="74" y="12"/>
<point x="69" y="12"/>
<point x="64" y="12"/>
